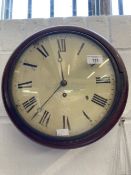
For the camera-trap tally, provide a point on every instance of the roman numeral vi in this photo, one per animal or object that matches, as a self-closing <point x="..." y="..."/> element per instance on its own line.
<point x="66" y="123"/>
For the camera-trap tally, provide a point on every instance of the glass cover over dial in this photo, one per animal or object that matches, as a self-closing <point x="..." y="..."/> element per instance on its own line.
<point x="41" y="96"/>
<point x="63" y="84"/>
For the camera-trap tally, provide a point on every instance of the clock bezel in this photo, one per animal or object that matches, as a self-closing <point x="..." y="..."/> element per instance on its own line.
<point x="87" y="137"/>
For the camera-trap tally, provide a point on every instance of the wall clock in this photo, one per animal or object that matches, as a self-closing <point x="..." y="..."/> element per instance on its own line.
<point x="65" y="87"/>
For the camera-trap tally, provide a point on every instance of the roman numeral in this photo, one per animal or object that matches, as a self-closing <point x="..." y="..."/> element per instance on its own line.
<point x="30" y="104"/>
<point x="99" y="100"/>
<point x="61" y="45"/>
<point x="27" y="84"/>
<point x="66" y="123"/>
<point x="30" y="65"/>
<point x="87" y="116"/>
<point x="43" y="51"/>
<point x="81" y="47"/>
<point x="103" y="80"/>
<point x="45" y="118"/>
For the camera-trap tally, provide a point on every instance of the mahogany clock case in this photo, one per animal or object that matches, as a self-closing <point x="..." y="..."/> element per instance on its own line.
<point x="98" y="131"/>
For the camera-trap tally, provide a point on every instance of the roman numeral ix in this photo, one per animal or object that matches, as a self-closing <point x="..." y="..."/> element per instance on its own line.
<point x="29" y="104"/>
<point x="27" y="84"/>
<point x="99" y="100"/>
<point x="45" y="118"/>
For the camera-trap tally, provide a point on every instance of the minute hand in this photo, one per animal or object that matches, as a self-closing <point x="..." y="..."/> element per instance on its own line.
<point x="51" y="96"/>
<point x="40" y="109"/>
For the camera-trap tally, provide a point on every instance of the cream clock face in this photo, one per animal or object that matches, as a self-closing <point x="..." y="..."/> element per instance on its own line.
<point x="77" y="106"/>
<point x="63" y="84"/>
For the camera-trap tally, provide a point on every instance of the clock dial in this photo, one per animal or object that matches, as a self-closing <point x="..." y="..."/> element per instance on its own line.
<point x="56" y="60"/>
<point x="63" y="86"/>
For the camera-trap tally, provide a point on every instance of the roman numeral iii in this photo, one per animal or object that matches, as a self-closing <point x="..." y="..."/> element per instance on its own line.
<point x="29" y="104"/>
<point x="103" y="80"/>
<point x="99" y="100"/>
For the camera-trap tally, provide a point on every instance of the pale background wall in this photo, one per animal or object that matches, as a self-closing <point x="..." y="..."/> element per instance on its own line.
<point x="21" y="156"/>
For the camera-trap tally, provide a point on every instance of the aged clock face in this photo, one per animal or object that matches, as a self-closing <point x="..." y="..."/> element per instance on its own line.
<point x="64" y="86"/>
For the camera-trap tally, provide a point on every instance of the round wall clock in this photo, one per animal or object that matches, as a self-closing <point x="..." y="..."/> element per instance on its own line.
<point x="65" y="87"/>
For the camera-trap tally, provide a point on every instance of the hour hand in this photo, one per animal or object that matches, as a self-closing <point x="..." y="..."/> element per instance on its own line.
<point x="60" y="61"/>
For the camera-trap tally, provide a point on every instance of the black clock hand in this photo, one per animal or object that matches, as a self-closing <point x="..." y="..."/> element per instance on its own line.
<point x="62" y="83"/>
<point x="60" y="61"/>
<point x="40" y="109"/>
